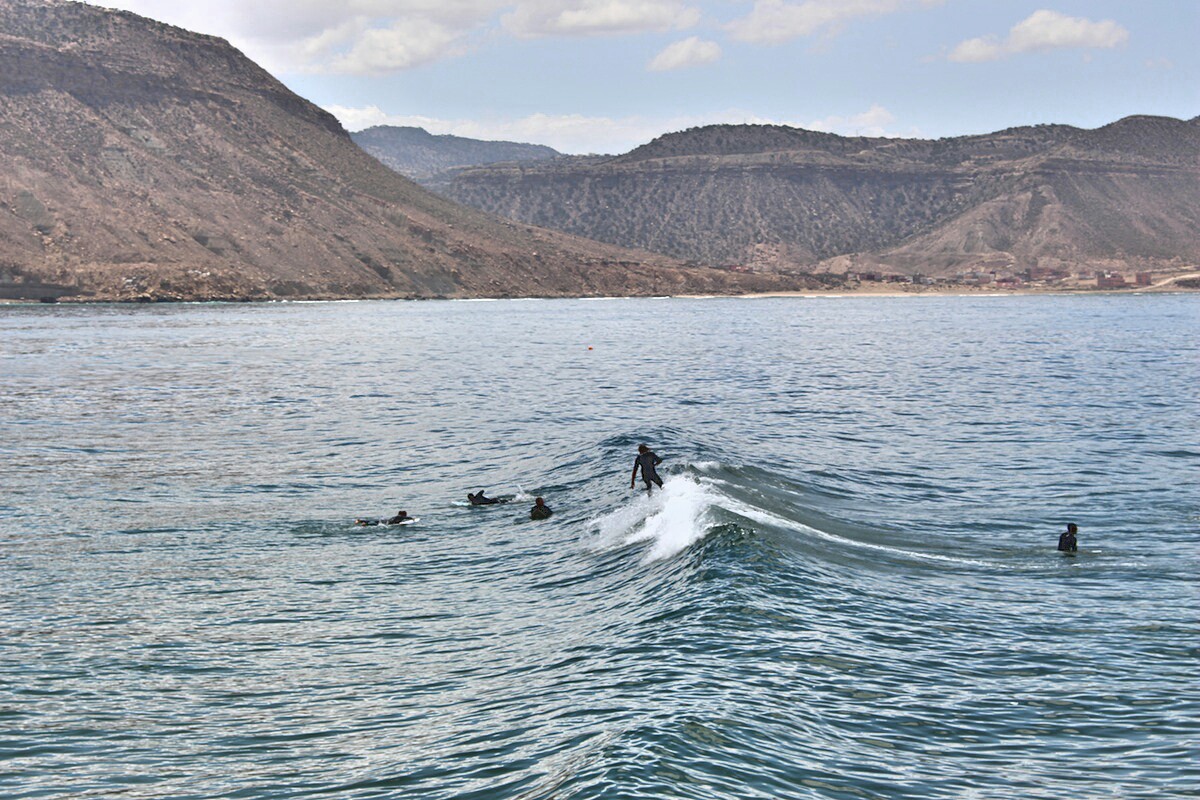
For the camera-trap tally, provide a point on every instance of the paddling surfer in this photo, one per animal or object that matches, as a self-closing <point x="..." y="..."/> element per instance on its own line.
<point x="401" y="518"/>
<point x="478" y="499"/>
<point x="646" y="461"/>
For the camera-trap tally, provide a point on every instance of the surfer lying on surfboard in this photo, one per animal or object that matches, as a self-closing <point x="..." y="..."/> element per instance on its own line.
<point x="478" y="499"/>
<point x="401" y="518"/>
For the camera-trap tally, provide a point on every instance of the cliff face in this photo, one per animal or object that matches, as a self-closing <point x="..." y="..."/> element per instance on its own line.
<point x="776" y="197"/>
<point x="415" y="153"/>
<point x="147" y="162"/>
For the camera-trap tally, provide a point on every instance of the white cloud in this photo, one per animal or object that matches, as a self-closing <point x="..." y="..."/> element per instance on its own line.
<point x="597" y="17"/>
<point x="777" y="21"/>
<point x="374" y="37"/>
<point x="1041" y="31"/>
<point x="577" y="133"/>
<point x="403" y="45"/>
<point x="354" y="36"/>
<point x="691" y="52"/>
<point x="875" y="121"/>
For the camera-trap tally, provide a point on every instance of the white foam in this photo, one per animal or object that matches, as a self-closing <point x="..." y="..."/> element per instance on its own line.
<point x="673" y="518"/>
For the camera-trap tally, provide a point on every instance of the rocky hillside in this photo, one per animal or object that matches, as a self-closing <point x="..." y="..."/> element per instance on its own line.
<point x="142" y="161"/>
<point x="418" y="154"/>
<point x="773" y="197"/>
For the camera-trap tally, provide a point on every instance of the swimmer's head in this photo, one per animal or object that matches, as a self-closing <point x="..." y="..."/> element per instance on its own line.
<point x="642" y="448"/>
<point x="1072" y="527"/>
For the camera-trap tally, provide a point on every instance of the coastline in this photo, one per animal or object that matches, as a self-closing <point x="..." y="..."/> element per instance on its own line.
<point x="1167" y="285"/>
<point x="967" y="292"/>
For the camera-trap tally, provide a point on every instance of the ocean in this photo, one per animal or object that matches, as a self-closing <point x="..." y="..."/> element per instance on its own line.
<point x="848" y="586"/>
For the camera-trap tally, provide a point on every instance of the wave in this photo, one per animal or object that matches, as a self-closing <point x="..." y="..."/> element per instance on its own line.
<point x="706" y="496"/>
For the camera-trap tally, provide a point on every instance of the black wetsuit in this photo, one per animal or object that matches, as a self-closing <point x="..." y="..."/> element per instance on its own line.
<point x="480" y="500"/>
<point x="540" y="512"/>
<point x="398" y="520"/>
<point x="1067" y="542"/>
<point x="648" y="461"/>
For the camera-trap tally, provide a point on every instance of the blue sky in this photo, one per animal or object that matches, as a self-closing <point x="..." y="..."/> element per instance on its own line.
<point x="606" y="75"/>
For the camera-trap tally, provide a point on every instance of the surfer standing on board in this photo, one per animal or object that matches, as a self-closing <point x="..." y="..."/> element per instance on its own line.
<point x="647" y="461"/>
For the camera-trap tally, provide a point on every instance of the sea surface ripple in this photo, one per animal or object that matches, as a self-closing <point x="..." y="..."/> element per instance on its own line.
<point x="848" y="587"/>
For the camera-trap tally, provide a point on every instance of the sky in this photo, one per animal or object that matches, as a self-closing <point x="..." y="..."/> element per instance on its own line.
<point x="604" y="76"/>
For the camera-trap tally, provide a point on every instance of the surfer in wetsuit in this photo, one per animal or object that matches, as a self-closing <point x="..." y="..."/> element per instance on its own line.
<point x="646" y="460"/>
<point x="1067" y="542"/>
<point x="540" y="510"/>
<point x="478" y="499"/>
<point x="400" y="518"/>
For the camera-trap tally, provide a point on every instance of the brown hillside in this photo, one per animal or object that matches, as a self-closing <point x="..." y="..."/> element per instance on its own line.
<point x="777" y="197"/>
<point x="145" y="161"/>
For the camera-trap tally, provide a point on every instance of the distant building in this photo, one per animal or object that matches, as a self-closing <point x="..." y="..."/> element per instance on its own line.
<point x="1045" y="274"/>
<point x="1110" y="282"/>
<point x="1144" y="279"/>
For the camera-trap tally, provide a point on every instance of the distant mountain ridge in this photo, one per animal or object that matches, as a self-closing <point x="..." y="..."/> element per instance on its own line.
<point x="143" y="161"/>
<point x="774" y="197"/>
<point x="416" y="153"/>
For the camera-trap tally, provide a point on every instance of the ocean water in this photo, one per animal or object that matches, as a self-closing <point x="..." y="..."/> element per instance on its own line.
<point x="847" y="588"/>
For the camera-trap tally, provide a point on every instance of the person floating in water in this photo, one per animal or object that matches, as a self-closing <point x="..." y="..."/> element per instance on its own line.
<point x="401" y="518"/>
<point x="647" y="461"/>
<point x="1067" y="542"/>
<point x="540" y="510"/>
<point x="478" y="499"/>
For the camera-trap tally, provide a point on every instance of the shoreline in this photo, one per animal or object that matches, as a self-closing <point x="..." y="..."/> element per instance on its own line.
<point x="961" y="292"/>
<point x="1167" y="286"/>
<point x="831" y="294"/>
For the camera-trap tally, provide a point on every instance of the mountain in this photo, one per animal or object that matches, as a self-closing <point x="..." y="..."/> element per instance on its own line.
<point x="142" y="161"/>
<point x="416" y="153"/>
<point x="774" y="197"/>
